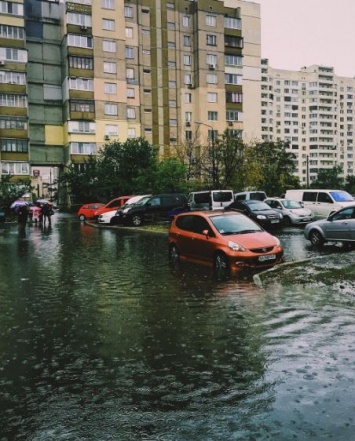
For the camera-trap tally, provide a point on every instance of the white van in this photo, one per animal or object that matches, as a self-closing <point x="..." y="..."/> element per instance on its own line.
<point x="210" y="199"/>
<point x="321" y="202"/>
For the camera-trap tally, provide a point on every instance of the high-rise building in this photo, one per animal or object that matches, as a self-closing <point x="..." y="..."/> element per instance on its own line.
<point x="313" y="110"/>
<point x="78" y="74"/>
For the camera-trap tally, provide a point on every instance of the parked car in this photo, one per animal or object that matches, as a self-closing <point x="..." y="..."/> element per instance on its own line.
<point x="87" y="211"/>
<point x="338" y="227"/>
<point x="321" y="202"/>
<point x="260" y="212"/>
<point x="112" y="205"/>
<point x="154" y="208"/>
<point x="293" y="212"/>
<point x="209" y="199"/>
<point x="226" y="241"/>
<point x="110" y="216"/>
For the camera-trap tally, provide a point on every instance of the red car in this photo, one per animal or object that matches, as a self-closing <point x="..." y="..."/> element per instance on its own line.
<point x="229" y="242"/>
<point x="87" y="211"/>
<point x="112" y="205"/>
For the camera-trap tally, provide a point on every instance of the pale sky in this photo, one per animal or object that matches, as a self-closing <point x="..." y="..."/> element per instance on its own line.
<point x="297" y="33"/>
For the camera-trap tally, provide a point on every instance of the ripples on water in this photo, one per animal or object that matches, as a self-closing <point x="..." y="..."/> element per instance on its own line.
<point x="102" y="340"/>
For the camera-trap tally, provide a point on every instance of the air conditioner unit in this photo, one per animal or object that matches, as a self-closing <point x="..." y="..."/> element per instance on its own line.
<point x="84" y="28"/>
<point x="212" y="66"/>
<point x="107" y="137"/>
<point x="2" y="62"/>
<point x="187" y="123"/>
<point x="190" y="86"/>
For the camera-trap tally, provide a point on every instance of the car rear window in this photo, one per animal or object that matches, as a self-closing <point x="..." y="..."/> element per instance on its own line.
<point x="223" y="196"/>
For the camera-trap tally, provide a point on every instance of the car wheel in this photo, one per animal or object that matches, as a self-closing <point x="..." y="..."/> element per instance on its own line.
<point x="174" y="255"/>
<point x="221" y="266"/>
<point x="81" y="218"/>
<point x="287" y="221"/>
<point x="136" y="220"/>
<point x="316" y="238"/>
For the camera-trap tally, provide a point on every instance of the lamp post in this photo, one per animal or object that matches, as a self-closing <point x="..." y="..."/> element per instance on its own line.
<point x="307" y="170"/>
<point x="212" y="154"/>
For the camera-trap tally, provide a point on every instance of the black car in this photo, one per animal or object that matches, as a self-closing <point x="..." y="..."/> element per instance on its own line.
<point x="155" y="208"/>
<point x="260" y="212"/>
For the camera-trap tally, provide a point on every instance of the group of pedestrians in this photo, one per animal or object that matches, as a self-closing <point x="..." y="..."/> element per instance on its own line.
<point x="42" y="215"/>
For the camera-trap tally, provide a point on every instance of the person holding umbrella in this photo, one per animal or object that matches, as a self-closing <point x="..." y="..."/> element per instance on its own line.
<point x="22" y="216"/>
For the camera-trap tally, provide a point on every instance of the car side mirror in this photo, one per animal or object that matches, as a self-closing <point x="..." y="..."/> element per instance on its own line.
<point x="205" y="233"/>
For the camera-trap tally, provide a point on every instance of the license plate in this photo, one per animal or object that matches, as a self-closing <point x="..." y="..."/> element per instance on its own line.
<point x="267" y="257"/>
<point x="275" y="221"/>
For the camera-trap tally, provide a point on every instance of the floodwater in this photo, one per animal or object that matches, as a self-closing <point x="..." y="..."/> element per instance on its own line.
<point x="100" y="339"/>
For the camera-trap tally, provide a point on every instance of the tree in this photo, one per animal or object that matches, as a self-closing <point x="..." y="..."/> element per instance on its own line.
<point x="270" y="168"/>
<point x="329" y="178"/>
<point x="170" y="176"/>
<point x="11" y="189"/>
<point x="350" y="184"/>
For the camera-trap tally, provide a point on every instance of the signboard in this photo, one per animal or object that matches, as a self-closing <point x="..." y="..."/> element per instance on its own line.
<point x="36" y="173"/>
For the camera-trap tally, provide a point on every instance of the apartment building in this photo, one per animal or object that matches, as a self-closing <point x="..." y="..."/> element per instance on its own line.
<point x="313" y="110"/>
<point x="78" y="74"/>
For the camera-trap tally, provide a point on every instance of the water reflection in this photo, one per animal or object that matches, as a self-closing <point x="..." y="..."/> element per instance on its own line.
<point x="101" y="339"/>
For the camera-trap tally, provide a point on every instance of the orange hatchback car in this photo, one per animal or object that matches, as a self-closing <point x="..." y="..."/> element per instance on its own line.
<point x="115" y="204"/>
<point x="226" y="241"/>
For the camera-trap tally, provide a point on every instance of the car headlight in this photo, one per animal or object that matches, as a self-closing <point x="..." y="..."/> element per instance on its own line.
<point x="235" y="246"/>
<point x="261" y="216"/>
<point x="278" y="243"/>
<point x="126" y="210"/>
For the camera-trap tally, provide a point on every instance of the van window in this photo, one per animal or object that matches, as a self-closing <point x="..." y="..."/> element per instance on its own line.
<point x="341" y="196"/>
<point x="240" y="197"/>
<point x="324" y="197"/>
<point x="202" y="198"/>
<point x="309" y="196"/>
<point x="258" y="195"/>
<point x="222" y="196"/>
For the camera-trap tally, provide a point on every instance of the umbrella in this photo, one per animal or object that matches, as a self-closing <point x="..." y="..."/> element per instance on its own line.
<point x="18" y="203"/>
<point x="42" y="201"/>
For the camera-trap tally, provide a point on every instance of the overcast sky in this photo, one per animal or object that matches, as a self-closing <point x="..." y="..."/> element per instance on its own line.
<point x="296" y="33"/>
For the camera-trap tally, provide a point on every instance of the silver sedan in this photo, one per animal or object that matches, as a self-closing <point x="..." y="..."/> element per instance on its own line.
<point x="338" y="227"/>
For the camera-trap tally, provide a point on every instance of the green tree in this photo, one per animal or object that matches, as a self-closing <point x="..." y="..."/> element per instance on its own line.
<point x="170" y="176"/>
<point x="270" y="167"/>
<point x="329" y="178"/>
<point x="11" y="189"/>
<point x="350" y="184"/>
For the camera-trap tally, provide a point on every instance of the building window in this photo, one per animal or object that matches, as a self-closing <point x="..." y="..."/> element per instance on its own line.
<point x="108" y="25"/>
<point x="12" y="32"/>
<point x="81" y="84"/>
<point x="15" y="168"/>
<point x="128" y="12"/>
<point x="111" y="88"/>
<point x="233" y="97"/>
<point x="130" y="73"/>
<point x="188" y="79"/>
<point x="211" y="60"/>
<point x="10" y="77"/>
<point x="171" y="44"/>
<point x="80" y="41"/>
<point x="232" y="41"/>
<point x="232" y="23"/>
<point x="131" y="133"/>
<point x="188" y="98"/>
<point x="171" y="64"/>
<point x="13" y="122"/>
<point x="187" y="60"/>
<point x="111" y="109"/>
<point x="129" y="52"/>
<point x="171" y="25"/>
<point x="211" y="78"/>
<point x="108" y="4"/>
<point x="211" y="97"/>
<point x="172" y="103"/>
<point x="129" y="32"/>
<point x="109" y="46"/>
<point x="14" y="145"/>
<point x="170" y="5"/>
<point x="233" y="79"/>
<point x="187" y="41"/>
<point x="233" y="115"/>
<point x="82" y="148"/>
<point x="172" y="122"/>
<point x="82" y="106"/>
<point x="172" y="84"/>
<point x="110" y="67"/>
<point x="186" y="21"/>
<point x="211" y="20"/>
<point x="11" y="8"/>
<point x="81" y="127"/>
<point x="211" y="40"/>
<point x="212" y="116"/>
<point x="131" y="113"/>
<point x="79" y="19"/>
<point x="111" y="129"/>
<point x="131" y="92"/>
<point x="12" y="100"/>
<point x="188" y="116"/>
<point x="233" y="60"/>
<point x="81" y="62"/>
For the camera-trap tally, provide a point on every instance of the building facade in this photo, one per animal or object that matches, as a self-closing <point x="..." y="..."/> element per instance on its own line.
<point x="79" y="74"/>
<point x="313" y="110"/>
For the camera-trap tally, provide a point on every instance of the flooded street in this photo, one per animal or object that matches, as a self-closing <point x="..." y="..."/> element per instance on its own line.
<point x="102" y="340"/>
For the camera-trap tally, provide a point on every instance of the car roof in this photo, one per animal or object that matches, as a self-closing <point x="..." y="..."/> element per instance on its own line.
<point x="208" y="213"/>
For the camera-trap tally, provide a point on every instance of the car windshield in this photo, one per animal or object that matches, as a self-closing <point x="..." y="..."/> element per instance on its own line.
<point x="258" y="206"/>
<point x="341" y="196"/>
<point x="291" y="204"/>
<point x="142" y="201"/>
<point x="234" y="224"/>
